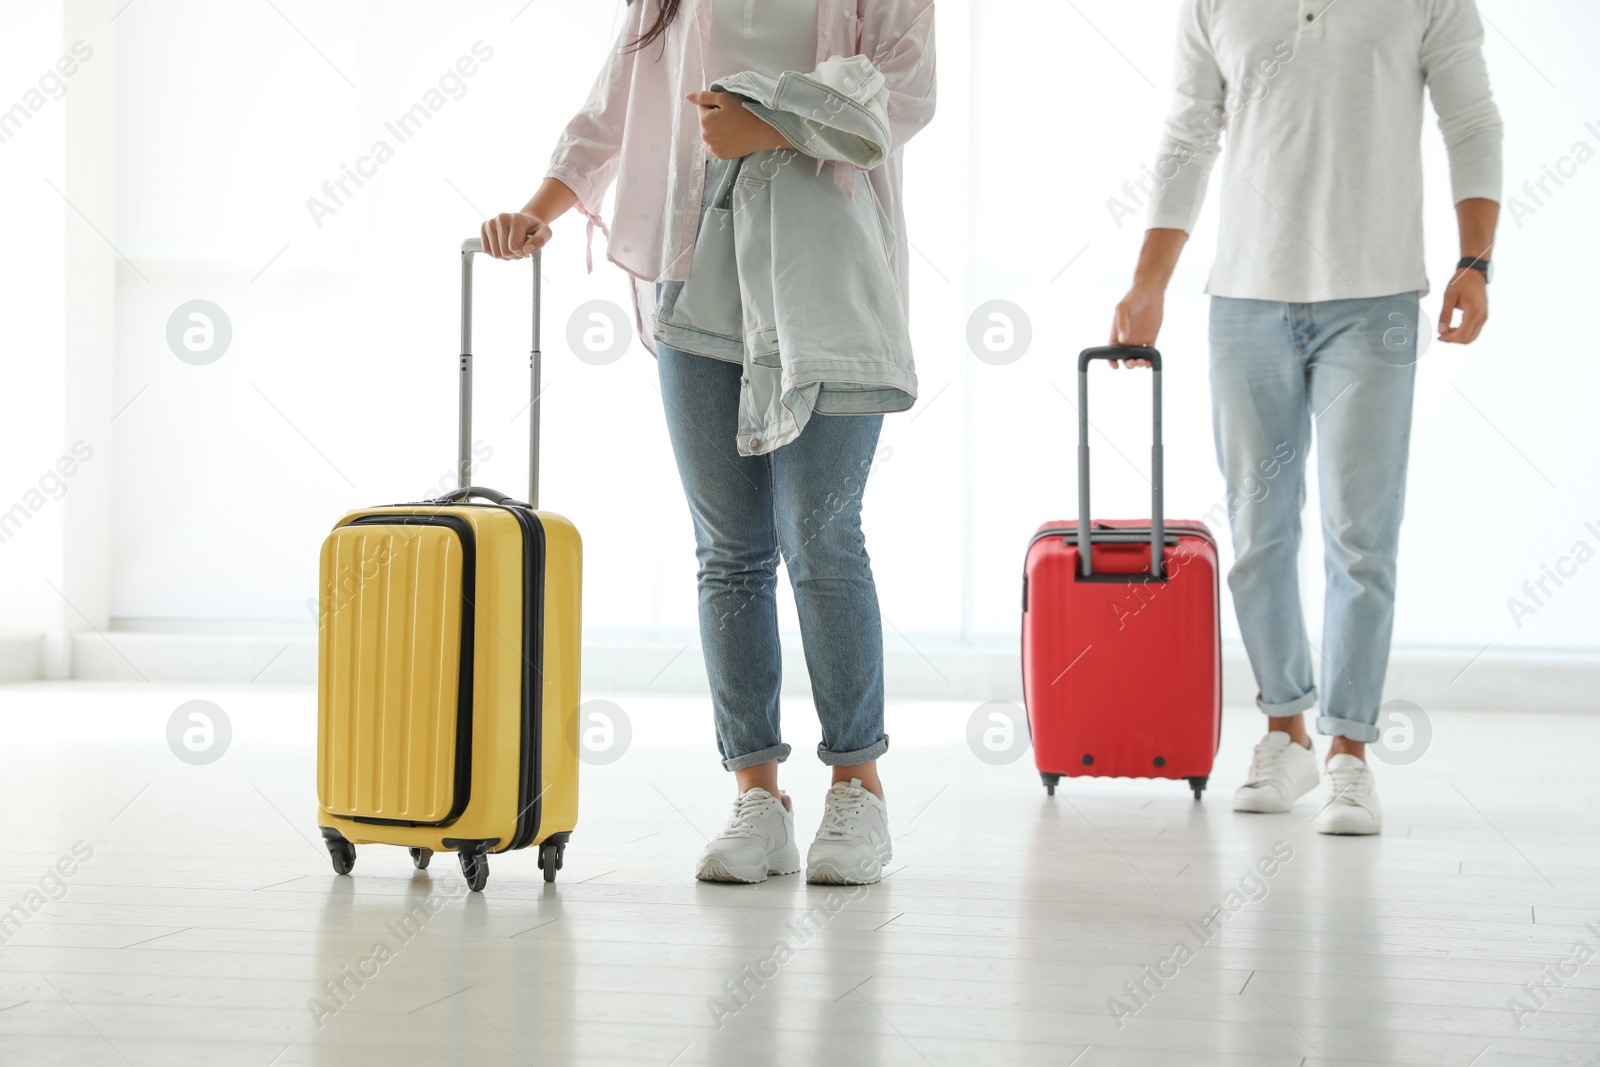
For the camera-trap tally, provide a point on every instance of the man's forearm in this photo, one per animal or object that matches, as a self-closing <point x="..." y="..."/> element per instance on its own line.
<point x="1158" y="258"/>
<point x="1137" y="319"/>
<point x="1467" y="293"/>
<point x="1477" y="217"/>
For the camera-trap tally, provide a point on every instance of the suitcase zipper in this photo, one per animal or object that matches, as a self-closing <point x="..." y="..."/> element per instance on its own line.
<point x="531" y="792"/>
<point x="1116" y="535"/>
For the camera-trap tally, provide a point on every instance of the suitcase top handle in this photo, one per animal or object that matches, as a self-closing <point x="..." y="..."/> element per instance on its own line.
<point x="470" y="248"/>
<point x="493" y="496"/>
<point x="1157" y="498"/>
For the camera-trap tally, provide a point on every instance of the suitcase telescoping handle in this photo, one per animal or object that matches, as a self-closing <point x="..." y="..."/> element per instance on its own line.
<point x="1157" y="502"/>
<point x="469" y="249"/>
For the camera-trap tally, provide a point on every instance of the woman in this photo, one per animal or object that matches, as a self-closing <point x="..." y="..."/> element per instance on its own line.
<point x="755" y="149"/>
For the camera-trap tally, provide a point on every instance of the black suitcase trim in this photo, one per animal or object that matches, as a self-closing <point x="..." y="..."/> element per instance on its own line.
<point x="529" y="808"/>
<point x="469" y="576"/>
<point x="1123" y="535"/>
<point x="1119" y="535"/>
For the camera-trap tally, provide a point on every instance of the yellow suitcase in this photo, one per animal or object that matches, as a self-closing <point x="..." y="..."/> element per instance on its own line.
<point x="448" y="657"/>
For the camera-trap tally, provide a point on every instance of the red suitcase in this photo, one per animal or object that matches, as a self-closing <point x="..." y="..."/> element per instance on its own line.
<point x="1122" y="660"/>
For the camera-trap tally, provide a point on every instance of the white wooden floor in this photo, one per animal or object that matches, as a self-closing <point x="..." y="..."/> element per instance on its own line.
<point x="207" y="918"/>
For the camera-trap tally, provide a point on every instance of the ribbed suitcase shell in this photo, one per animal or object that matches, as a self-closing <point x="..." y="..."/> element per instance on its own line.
<point x="400" y="760"/>
<point x="1121" y="673"/>
<point x="390" y="673"/>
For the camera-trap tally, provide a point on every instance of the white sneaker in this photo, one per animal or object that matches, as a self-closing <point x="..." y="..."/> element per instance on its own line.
<point x="1352" y="806"/>
<point x="758" y="841"/>
<point x="1280" y="773"/>
<point x="852" y="845"/>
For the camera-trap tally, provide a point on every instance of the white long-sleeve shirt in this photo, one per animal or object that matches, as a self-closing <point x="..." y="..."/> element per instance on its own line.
<point x="1322" y="104"/>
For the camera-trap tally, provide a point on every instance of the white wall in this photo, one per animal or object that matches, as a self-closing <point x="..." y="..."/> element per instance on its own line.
<point x="57" y="117"/>
<point x="32" y="329"/>
<point x="338" y="387"/>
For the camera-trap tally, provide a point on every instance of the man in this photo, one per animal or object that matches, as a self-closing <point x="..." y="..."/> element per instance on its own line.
<point x="1313" y="324"/>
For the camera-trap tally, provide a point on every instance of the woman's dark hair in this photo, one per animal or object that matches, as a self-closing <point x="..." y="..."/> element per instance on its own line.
<point x="669" y="11"/>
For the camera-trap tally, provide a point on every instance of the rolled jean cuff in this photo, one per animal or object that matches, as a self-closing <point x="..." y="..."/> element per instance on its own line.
<point x="850" y="759"/>
<point x="1288" y="707"/>
<point x="1355" y="731"/>
<point x="779" y="752"/>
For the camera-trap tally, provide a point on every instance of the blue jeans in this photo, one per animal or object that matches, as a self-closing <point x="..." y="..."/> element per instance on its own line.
<point x="1345" y="367"/>
<point x="802" y="500"/>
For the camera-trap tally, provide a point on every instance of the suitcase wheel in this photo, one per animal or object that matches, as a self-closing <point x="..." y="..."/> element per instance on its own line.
<point x="344" y="857"/>
<point x="420" y="857"/>
<point x="1050" y="781"/>
<point x="475" y="869"/>
<point x="1199" y="785"/>
<point x="551" y="854"/>
<point x="342" y="852"/>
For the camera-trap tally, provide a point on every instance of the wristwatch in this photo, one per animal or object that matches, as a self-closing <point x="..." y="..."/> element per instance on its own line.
<point x="1473" y="263"/>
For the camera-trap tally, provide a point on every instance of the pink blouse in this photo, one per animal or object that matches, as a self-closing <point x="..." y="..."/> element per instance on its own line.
<point x="638" y="130"/>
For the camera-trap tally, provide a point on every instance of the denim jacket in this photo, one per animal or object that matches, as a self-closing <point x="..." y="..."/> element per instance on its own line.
<point x="637" y="132"/>
<point x="793" y="276"/>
